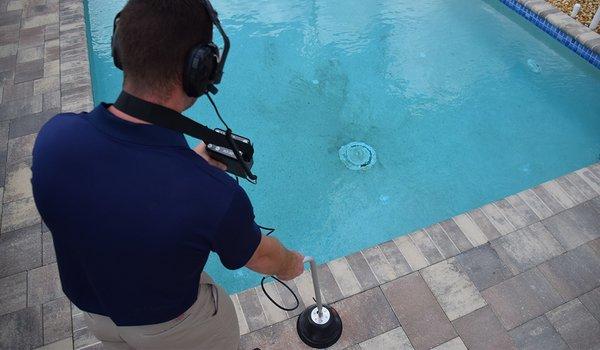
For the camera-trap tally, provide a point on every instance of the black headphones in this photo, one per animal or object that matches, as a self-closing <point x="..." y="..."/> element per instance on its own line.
<point x="203" y="65"/>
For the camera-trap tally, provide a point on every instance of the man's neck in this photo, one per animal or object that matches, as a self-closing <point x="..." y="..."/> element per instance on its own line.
<point x="132" y="119"/>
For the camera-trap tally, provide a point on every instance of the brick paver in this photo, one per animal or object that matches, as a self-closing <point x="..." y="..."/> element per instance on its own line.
<point x="522" y="272"/>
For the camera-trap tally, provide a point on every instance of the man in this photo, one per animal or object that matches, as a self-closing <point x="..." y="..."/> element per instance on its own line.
<point x="134" y="212"/>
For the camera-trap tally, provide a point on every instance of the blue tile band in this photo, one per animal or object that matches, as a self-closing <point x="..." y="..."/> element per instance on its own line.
<point x="567" y="40"/>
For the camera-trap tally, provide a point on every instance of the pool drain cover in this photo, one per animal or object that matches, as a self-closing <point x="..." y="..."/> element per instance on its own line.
<point x="357" y="156"/>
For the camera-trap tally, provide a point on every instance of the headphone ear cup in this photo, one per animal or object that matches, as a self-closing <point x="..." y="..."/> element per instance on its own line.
<point x="200" y="68"/>
<point x="114" y="43"/>
<point x="115" y="52"/>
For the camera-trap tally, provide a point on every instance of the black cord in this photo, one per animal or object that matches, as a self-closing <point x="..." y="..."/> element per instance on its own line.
<point x="262" y="285"/>
<point x="262" y="281"/>
<point x="217" y="111"/>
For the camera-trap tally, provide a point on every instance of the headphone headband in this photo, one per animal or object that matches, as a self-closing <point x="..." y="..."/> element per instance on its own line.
<point x="204" y="64"/>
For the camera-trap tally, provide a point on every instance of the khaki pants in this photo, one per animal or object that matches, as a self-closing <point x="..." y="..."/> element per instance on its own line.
<point x="211" y="323"/>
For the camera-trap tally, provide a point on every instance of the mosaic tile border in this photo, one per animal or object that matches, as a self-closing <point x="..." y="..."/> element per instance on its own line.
<point x="375" y="266"/>
<point x="574" y="35"/>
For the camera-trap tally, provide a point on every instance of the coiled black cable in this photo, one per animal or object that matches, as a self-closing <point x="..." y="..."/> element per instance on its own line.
<point x="262" y="282"/>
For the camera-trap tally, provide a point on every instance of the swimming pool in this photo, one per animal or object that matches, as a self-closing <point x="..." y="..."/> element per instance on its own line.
<point x="464" y="102"/>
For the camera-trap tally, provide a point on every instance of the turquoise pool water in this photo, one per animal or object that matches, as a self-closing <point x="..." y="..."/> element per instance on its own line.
<point x="464" y="102"/>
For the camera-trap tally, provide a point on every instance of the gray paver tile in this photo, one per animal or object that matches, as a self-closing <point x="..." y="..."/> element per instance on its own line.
<point x="289" y="298"/>
<point x="583" y="187"/>
<point x="441" y="241"/>
<point x="243" y="325"/>
<point x="48" y="253"/>
<point x="591" y="300"/>
<point x="559" y="194"/>
<point x="50" y="100"/>
<point x="20" y="148"/>
<point x="395" y="258"/>
<point x="573" y="273"/>
<point x="482" y="330"/>
<point x="527" y="247"/>
<point x="19" y="214"/>
<point x="483" y="266"/>
<point x="252" y="309"/>
<point x="590" y="178"/>
<point x="552" y="203"/>
<point x="394" y="339"/>
<point x="28" y="54"/>
<point x="30" y="124"/>
<point x="27" y="71"/>
<point x="454" y="344"/>
<point x="20" y="250"/>
<point x="411" y="253"/>
<point x="19" y="107"/>
<point x="456" y="235"/>
<point x="46" y="84"/>
<point x="453" y="289"/>
<point x="421" y="316"/>
<point x="571" y="190"/>
<point x="31" y="37"/>
<point x="18" y="182"/>
<point x="426" y="246"/>
<point x="272" y="312"/>
<point x="13" y="293"/>
<point x="13" y="92"/>
<point x="470" y="229"/>
<point x="362" y="271"/>
<point x="344" y="276"/>
<point x="56" y="317"/>
<point x="595" y="168"/>
<point x="41" y="20"/>
<point x="65" y="344"/>
<point x="280" y="336"/>
<point x="82" y="338"/>
<point x="575" y="226"/>
<point x="365" y="316"/>
<point x="536" y="204"/>
<point x="522" y="298"/>
<point x="78" y="319"/>
<point x="329" y="287"/>
<point x="516" y="211"/>
<point x="484" y="223"/>
<point x="21" y="329"/>
<point x="43" y="285"/>
<point x="3" y="135"/>
<point x="538" y="334"/>
<point x="305" y="288"/>
<point x="576" y="325"/>
<point x="382" y="269"/>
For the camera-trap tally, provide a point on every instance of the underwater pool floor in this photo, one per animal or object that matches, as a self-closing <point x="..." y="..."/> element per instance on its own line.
<point x="524" y="270"/>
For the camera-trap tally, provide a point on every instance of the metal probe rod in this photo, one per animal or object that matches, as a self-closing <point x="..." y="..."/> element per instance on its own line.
<point x="315" y="278"/>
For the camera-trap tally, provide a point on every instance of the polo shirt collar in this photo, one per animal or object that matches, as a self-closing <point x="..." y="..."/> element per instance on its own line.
<point x="145" y="134"/>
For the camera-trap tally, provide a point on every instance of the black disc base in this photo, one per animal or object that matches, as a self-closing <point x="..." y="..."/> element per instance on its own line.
<point x="319" y="336"/>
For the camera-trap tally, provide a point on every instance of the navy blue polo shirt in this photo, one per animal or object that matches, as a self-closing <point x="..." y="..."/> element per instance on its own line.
<point x="134" y="213"/>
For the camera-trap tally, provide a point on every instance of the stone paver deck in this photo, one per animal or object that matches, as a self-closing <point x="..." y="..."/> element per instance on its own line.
<point x="522" y="272"/>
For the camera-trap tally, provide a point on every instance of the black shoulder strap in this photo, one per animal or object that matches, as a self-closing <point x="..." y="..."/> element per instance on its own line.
<point x="170" y="119"/>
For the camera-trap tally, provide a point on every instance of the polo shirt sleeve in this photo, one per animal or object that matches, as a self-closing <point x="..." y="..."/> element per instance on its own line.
<point x="238" y="235"/>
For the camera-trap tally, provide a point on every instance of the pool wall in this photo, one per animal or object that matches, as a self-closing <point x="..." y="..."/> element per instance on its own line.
<point x="568" y="31"/>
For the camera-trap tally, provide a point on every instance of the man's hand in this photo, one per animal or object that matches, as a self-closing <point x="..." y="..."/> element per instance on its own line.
<point x="295" y="267"/>
<point x="201" y="150"/>
<point x="272" y="258"/>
